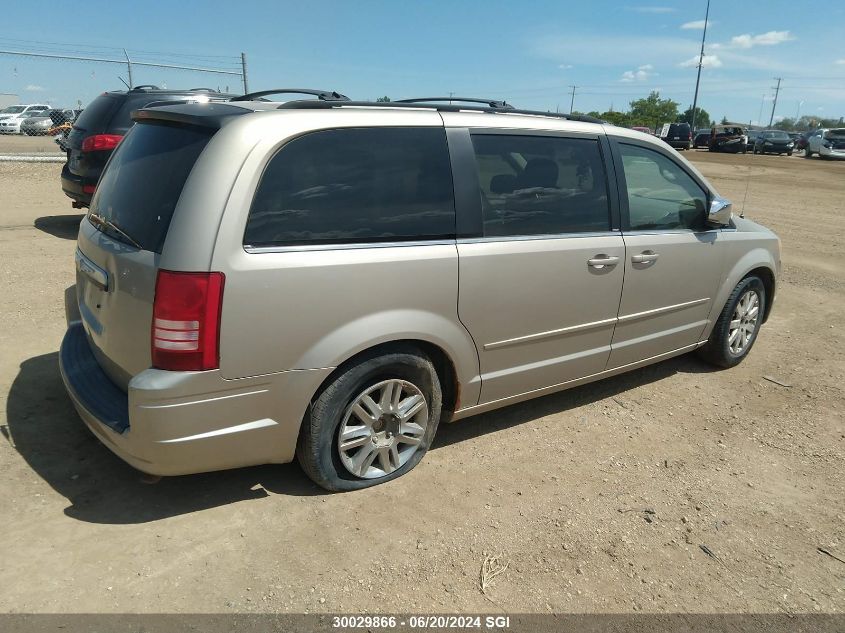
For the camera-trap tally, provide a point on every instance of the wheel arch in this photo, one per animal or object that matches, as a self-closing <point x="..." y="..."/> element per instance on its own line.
<point x="758" y="261"/>
<point x="443" y="364"/>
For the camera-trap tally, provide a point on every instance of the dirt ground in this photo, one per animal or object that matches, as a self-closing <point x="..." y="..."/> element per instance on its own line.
<point x="675" y="488"/>
<point x="22" y="144"/>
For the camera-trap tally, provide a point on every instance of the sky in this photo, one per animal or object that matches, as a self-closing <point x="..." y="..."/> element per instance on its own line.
<point x="529" y="52"/>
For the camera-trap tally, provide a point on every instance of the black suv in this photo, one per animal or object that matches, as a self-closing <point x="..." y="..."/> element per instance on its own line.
<point x="102" y="125"/>
<point x="677" y="135"/>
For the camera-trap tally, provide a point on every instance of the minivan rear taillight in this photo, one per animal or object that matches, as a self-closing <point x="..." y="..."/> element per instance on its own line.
<point x="100" y="142"/>
<point x="186" y="321"/>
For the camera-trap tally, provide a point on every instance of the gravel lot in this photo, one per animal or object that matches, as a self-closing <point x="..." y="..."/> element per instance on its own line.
<point x="605" y="498"/>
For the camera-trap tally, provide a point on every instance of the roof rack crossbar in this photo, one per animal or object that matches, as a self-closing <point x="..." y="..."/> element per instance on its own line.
<point x="491" y="103"/>
<point x="312" y="104"/>
<point x="322" y="95"/>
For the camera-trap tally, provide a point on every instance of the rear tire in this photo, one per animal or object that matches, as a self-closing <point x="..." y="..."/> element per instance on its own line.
<point x="367" y="457"/>
<point x="738" y="325"/>
<point x="807" y="153"/>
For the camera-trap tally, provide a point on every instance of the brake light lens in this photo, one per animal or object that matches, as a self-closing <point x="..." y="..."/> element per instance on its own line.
<point x="89" y="188"/>
<point x="186" y="321"/>
<point x="100" y="142"/>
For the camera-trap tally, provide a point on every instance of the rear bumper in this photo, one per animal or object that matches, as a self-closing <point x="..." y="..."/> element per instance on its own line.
<point x="176" y="423"/>
<point x="73" y="185"/>
<point x="831" y="153"/>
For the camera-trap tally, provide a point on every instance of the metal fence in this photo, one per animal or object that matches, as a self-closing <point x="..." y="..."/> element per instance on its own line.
<point x="54" y="82"/>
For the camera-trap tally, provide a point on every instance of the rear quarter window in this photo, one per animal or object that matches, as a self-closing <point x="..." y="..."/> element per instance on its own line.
<point x="144" y="178"/>
<point x="355" y="185"/>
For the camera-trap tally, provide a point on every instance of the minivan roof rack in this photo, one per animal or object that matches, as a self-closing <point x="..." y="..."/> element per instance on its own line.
<point x="322" y="95"/>
<point x="144" y="88"/>
<point x="490" y="103"/>
<point x="313" y="104"/>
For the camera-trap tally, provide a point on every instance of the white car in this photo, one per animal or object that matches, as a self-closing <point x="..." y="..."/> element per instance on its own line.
<point x="12" y="117"/>
<point x="827" y="143"/>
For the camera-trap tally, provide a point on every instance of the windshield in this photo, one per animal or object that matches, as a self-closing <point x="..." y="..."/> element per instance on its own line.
<point x="141" y="185"/>
<point x="12" y="110"/>
<point x="779" y="136"/>
<point x="838" y="133"/>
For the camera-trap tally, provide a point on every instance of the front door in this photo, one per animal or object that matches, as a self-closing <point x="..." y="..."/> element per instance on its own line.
<point x="672" y="261"/>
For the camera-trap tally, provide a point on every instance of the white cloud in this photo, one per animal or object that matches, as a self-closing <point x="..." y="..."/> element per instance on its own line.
<point x="696" y="25"/>
<point x="841" y="62"/>
<point x="708" y="61"/>
<point x="640" y="74"/>
<point x="565" y="66"/>
<point x="770" y="38"/>
<point x="34" y="88"/>
<point x="653" y="9"/>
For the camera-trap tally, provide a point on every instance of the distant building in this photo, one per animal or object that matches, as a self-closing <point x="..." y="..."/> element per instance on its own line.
<point x="7" y="99"/>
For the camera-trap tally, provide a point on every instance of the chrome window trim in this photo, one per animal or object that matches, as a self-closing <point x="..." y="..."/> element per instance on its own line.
<point x="525" y="238"/>
<point x="258" y="250"/>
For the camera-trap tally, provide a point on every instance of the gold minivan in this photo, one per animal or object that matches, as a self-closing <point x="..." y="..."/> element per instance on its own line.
<point x="329" y="280"/>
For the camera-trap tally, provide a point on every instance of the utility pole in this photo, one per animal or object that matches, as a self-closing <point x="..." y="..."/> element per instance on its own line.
<point x="700" y="62"/>
<point x="572" y="101"/>
<point x="775" y="102"/>
<point x="243" y="73"/>
<point x="798" y="112"/>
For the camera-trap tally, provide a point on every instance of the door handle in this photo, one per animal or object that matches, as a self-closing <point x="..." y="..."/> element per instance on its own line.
<point x="645" y="257"/>
<point x="600" y="261"/>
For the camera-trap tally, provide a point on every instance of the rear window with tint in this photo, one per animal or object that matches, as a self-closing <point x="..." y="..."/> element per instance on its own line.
<point x="96" y="114"/>
<point x="355" y="185"/>
<point x="144" y="178"/>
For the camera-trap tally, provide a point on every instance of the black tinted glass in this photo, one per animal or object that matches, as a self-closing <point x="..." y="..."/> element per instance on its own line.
<point x="144" y="178"/>
<point x="355" y="185"/>
<point x="96" y="114"/>
<point x="538" y="185"/>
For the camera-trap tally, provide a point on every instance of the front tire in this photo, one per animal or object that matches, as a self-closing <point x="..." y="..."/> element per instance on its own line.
<point x="373" y="422"/>
<point x="737" y="327"/>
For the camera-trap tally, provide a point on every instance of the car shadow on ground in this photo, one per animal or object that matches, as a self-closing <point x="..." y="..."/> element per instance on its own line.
<point x="44" y="428"/>
<point x="63" y="226"/>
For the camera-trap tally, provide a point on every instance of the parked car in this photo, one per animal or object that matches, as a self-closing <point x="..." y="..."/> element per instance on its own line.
<point x="702" y="138"/>
<point x="643" y="129"/>
<point x="677" y="135"/>
<point x="827" y="143"/>
<point x="43" y="122"/>
<point x="12" y="116"/>
<point x="773" y="142"/>
<point x="329" y="280"/>
<point x="100" y="128"/>
<point x="728" y="138"/>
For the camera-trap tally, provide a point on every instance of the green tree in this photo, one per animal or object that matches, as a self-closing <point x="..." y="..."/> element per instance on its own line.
<point x="724" y="119"/>
<point x="653" y="111"/>
<point x="702" y="117"/>
<point x="384" y="99"/>
<point x="622" y="119"/>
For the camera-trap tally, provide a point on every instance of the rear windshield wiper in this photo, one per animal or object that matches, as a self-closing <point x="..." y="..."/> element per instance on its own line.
<point x="100" y="221"/>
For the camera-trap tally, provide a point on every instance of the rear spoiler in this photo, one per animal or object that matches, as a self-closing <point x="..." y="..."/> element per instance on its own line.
<point x="211" y="115"/>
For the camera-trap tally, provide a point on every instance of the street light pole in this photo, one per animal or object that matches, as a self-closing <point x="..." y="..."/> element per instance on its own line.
<point x="700" y="62"/>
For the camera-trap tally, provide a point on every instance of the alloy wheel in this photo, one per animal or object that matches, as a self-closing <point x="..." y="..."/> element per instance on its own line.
<point x="744" y="322"/>
<point x="382" y="428"/>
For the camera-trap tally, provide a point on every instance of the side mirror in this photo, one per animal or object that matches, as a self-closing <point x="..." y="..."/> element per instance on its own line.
<point x="720" y="212"/>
